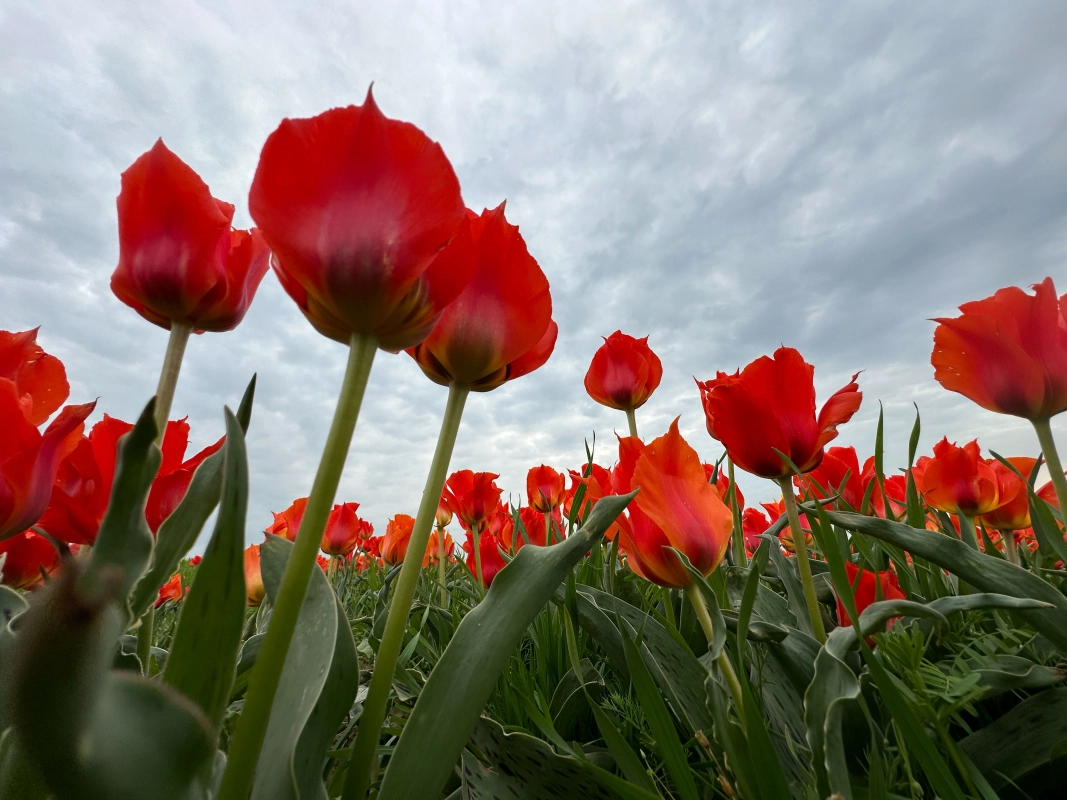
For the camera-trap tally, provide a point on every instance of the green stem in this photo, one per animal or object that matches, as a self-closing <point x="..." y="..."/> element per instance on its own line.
<point x="263" y="682"/>
<point x="801" y="548"/>
<point x="144" y="641"/>
<point x="168" y="376"/>
<point x="967" y="529"/>
<point x="476" y="535"/>
<point x="668" y="608"/>
<point x="631" y="420"/>
<point x="550" y="538"/>
<point x="696" y="597"/>
<point x="441" y="565"/>
<point x="735" y="511"/>
<point x="370" y="722"/>
<point x="1052" y="459"/>
<point x="1008" y="538"/>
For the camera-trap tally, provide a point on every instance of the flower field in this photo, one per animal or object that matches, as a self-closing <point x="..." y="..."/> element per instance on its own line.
<point x="635" y="629"/>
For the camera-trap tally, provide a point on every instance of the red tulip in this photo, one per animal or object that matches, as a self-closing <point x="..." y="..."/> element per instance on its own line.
<point x="865" y="592"/>
<point x="1013" y="510"/>
<point x="40" y="379"/>
<point x="1008" y="352"/>
<point x="323" y="563"/>
<point x="195" y="561"/>
<point x="676" y="507"/>
<point x="722" y="485"/>
<point x="254" y="588"/>
<point x="545" y="488"/>
<point x="83" y="482"/>
<point x="171" y="590"/>
<point x="533" y="522"/>
<point x="500" y="327"/>
<point x="599" y="483"/>
<point x="958" y="478"/>
<point x="357" y="209"/>
<point x="776" y="511"/>
<point x="624" y="372"/>
<point x="23" y="557"/>
<point x="770" y="406"/>
<point x="753" y="524"/>
<point x="396" y="539"/>
<point x="287" y="523"/>
<point x="29" y="459"/>
<point x="472" y="496"/>
<point x="344" y="530"/>
<point x="433" y="549"/>
<point x="489" y="550"/>
<point x="180" y="259"/>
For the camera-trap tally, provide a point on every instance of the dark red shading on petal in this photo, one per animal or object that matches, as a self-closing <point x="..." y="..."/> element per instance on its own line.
<point x="623" y="373"/>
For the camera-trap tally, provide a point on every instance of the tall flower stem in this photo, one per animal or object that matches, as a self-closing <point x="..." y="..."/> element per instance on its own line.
<point x="1010" y="550"/>
<point x="168" y="382"/>
<point x="692" y="591"/>
<point x="441" y="565"/>
<point x="735" y="512"/>
<point x="967" y="529"/>
<point x="1052" y="459"/>
<point x="263" y="682"/>
<point x="476" y="535"/>
<point x="370" y="722"/>
<point x="631" y="420"/>
<point x="801" y="547"/>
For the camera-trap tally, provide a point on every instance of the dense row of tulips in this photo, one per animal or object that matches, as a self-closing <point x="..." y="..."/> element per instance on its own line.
<point x="360" y="217"/>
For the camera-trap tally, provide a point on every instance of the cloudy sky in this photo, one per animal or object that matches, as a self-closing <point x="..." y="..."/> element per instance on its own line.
<point x="723" y="177"/>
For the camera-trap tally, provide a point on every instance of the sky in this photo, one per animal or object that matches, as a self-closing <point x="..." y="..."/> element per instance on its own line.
<point x="722" y="177"/>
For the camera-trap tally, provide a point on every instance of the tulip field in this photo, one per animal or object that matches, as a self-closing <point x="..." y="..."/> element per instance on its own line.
<point x="633" y="629"/>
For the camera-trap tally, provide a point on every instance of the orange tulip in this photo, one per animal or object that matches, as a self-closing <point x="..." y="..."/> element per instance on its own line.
<point x="472" y="496"/>
<point x="444" y="513"/>
<point x="40" y="379"/>
<point x="545" y="488"/>
<point x="676" y="507"/>
<point x="433" y="549"/>
<point x="344" y="530"/>
<point x="1013" y="510"/>
<point x="722" y="485"/>
<point x="624" y="372"/>
<point x="957" y="478"/>
<point x="397" y="536"/>
<point x="1008" y="352"/>
<point x="171" y="590"/>
<point x="287" y="523"/>
<point x="769" y="407"/>
<point x="254" y="588"/>
<point x="489" y="550"/>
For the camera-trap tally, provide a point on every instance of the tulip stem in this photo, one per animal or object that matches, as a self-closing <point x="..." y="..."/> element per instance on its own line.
<point x="1008" y="538"/>
<point x="631" y="420"/>
<point x="370" y="722"/>
<point x="477" y="537"/>
<point x="735" y="513"/>
<point x="144" y="641"/>
<point x="668" y="608"/>
<point x="550" y="538"/>
<point x="168" y="376"/>
<point x="801" y="547"/>
<point x="441" y="565"/>
<point x="696" y="598"/>
<point x="1052" y="459"/>
<point x="263" y="682"/>
<point x="967" y="529"/>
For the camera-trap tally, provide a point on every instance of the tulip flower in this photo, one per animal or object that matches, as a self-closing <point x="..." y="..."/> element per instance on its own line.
<point x="1008" y="353"/>
<point x="722" y="485"/>
<point x="866" y="591"/>
<point x="396" y="539"/>
<point x="439" y="542"/>
<point x="254" y="588"/>
<point x="287" y="523"/>
<point x="472" y="496"/>
<point x="623" y="374"/>
<point x="180" y="259"/>
<point x="444" y="513"/>
<point x="776" y="511"/>
<point x="487" y="558"/>
<point x="82" y="487"/>
<point x="1013" y="510"/>
<point x="344" y="530"/>
<point x="958" y="480"/>
<point x="195" y="561"/>
<point x="545" y="488"/>
<point x="753" y="524"/>
<point x="29" y="459"/>
<point x="23" y="558"/>
<point x="770" y="406"/>
<point x="40" y="379"/>
<point x="171" y="590"/>
<point x="533" y="522"/>
<point x="500" y="327"/>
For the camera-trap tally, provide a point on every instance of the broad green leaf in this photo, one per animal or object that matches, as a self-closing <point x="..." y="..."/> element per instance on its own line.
<point x="124" y="542"/>
<point x="11" y="605"/>
<point x="180" y="530"/>
<point x="770" y="777"/>
<point x="1007" y="673"/>
<point x="731" y="736"/>
<point x="520" y="765"/>
<point x="659" y="719"/>
<point x="794" y="592"/>
<point x="203" y="654"/>
<point x="19" y="777"/>
<point x="303" y="677"/>
<point x="980" y="571"/>
<point x="457" y="689"/>
<point x="1020" y="741"/>
<point x="245" y="662"/>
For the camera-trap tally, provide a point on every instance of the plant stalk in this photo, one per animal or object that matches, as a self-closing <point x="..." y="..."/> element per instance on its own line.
<point x="263" y="682"/>
<point x="631" y="420"/>
<point x="801" y="547"/>
<point x="1010" y="550"/>
<point x="476" y="536"/>
<point x="1052" y="459"/>
<point x="696" y="598"/>
<point x="144" y="641"/>
<point x="967" y="529"/>
<point x="370" y="722"/>
<point x="441" y="565"/>
<point x="168" y="375"/>
<point x="668" y="608"/>
<point x="735" y="511"/>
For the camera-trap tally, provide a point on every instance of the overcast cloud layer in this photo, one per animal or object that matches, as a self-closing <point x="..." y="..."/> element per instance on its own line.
<point x="723" y="177"/>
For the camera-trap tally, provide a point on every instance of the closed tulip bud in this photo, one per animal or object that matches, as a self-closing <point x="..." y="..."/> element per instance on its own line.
<point x="180" y="259"/>
<point x="254" y="588"/>
<point x="343" y="530"/>
<point x="472" y="496"/>
<point x="287" y="523"/>
<point x="489" y="550"/>
<point x="396" y="539"/>
<point x="545" y="488"/>
<point x="624" y="372"/>
<point x="444" y="513"/>
<point x="865" y="592"/>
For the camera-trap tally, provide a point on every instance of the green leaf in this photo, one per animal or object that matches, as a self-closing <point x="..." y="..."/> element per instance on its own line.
<point x="520" y="765"/>
<point x="11" y="605"/>
<point x="180" y="530"/>
<point x="770" y="777"/>
<point x="19" y="777"/>
<point x="1006" y="673"/>
<point x="794" y="592"/>
<point x="980" y="571"/>
<point x="457" y="689"/>
<point x="303" y="677"/>
<point x="124" y="542"/>
<point x="1021" y="740"/>
<point x="203" y="654"/>
<point x="667" y="743"/>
